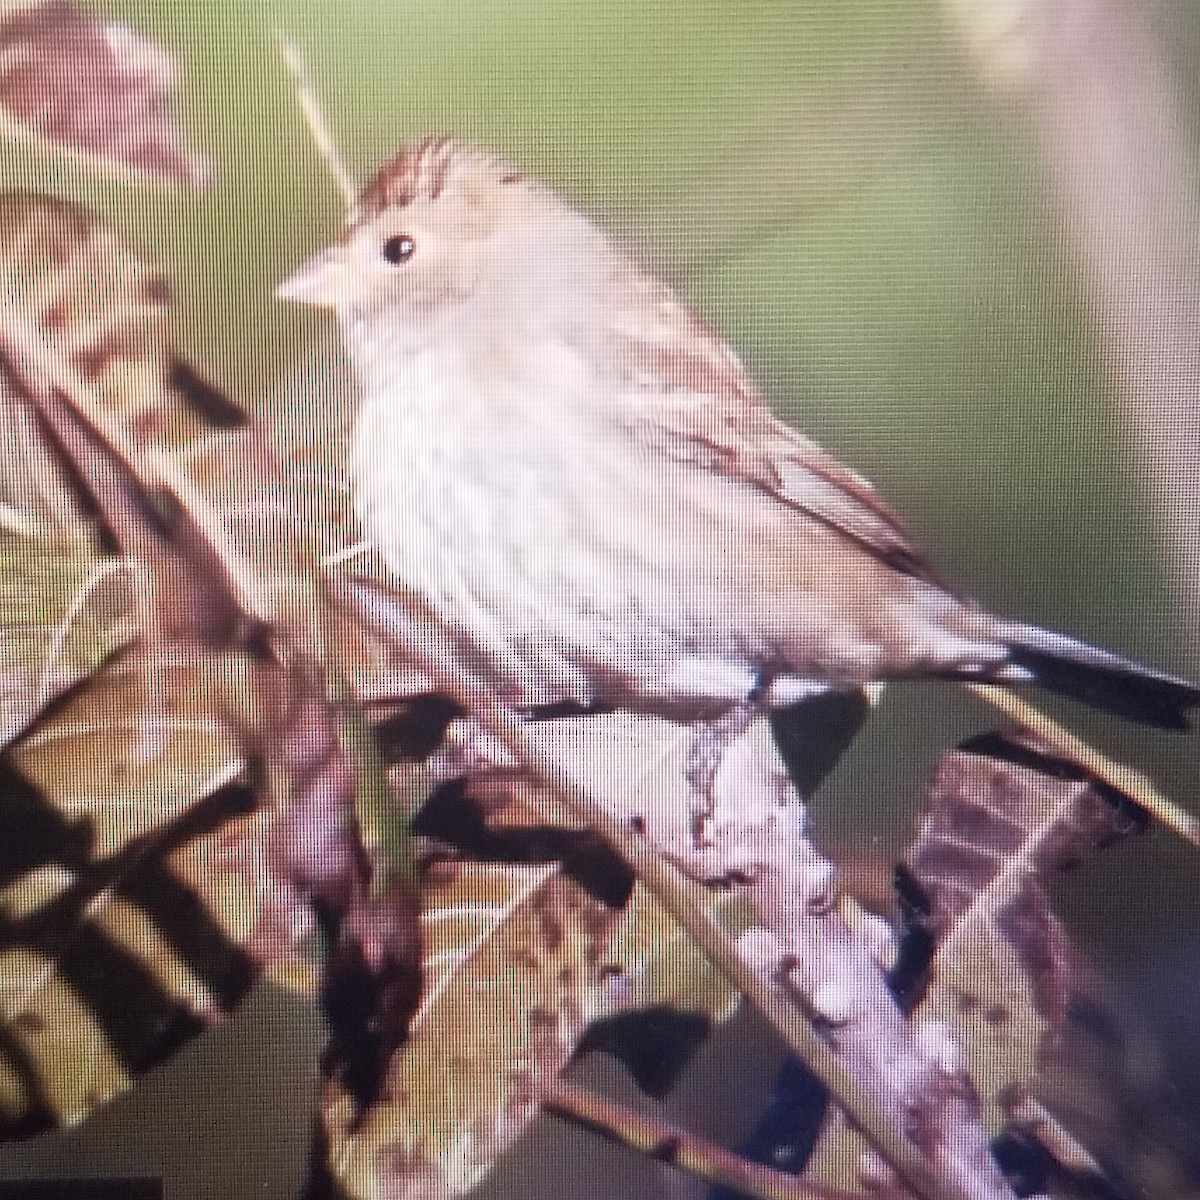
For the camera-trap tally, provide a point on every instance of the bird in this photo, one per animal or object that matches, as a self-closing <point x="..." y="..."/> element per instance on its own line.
<point x="555" y="451"/>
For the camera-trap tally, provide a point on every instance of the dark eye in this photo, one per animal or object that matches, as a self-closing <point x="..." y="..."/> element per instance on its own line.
<point x="399" y="248"/>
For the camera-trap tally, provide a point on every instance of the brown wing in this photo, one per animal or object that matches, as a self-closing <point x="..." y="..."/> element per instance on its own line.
<point x="703" y="407"/>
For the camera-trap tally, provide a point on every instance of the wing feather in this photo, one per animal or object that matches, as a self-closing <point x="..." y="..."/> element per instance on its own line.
<point x="687" y="395"/>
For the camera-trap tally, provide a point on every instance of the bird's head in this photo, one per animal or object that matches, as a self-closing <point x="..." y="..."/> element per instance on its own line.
<point x="445" y="230"/>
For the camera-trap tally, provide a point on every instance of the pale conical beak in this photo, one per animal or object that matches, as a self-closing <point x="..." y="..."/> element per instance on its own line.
<point x="322" y="281"/>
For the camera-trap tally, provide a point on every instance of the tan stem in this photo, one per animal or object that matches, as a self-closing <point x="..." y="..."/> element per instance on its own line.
<point x="1125" y="779"/>
<point x="670" y="1144"/>
<point x="317" y="124"/>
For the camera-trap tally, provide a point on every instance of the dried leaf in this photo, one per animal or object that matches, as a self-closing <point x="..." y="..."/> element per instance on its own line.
<point x="662" y="966"/>
<point x="1001" y="815"/>
<point x="82" y="309"/>
<point x="154" y="875"/>
<point x="131" y="883"/>
<point x="512" y="977"/>
<point x="228" y="684"/>
<point x="63" y="612"/>
<point x="67" y="601"/>
<point x="94" y="86"/>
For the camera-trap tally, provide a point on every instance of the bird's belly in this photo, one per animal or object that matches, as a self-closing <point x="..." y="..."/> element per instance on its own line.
<point x="564" y="562"/>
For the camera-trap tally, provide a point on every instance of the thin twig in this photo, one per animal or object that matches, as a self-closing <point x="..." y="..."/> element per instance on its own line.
<point x="318" y="126"/>
<point x="679" y="1148"/>
<point x="1125" y="779"/>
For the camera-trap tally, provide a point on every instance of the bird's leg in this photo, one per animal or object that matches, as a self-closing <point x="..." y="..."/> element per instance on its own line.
<point x="710" y="743"/>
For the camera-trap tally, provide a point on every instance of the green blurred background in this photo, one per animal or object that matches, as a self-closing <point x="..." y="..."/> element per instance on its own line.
<point x="870" y="224"/>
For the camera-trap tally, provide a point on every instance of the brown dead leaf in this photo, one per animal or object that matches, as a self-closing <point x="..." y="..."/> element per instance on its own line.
<point x="227" y="690"/>
<point x="1001" y="815"/>
<point x="95" y="86"/>
<point x="511" y="979"/>
<point x="63" y="612"/>
<point x="132" y="882"/>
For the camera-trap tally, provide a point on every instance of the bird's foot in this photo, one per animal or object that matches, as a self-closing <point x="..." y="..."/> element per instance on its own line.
<point x="468" y="747"/>
<point x="745" y="808"/>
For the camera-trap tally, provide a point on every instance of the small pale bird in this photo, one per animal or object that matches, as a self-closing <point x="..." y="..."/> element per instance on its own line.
<point x="561" y="456"/>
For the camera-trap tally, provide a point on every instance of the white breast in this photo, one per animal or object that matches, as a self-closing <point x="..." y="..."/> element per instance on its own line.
<point x="534" y="524"/>
<point x="476" y="495"/>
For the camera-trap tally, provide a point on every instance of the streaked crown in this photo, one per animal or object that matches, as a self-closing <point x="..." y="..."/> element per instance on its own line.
<point x="426" y="169"/>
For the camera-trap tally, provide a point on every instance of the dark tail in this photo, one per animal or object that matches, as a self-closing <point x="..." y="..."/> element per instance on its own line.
<point x="1105" y="681"/>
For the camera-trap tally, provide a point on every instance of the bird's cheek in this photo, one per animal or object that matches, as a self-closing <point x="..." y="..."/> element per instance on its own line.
<point x="441" y="285"/>
<point x="455" y="279"/>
